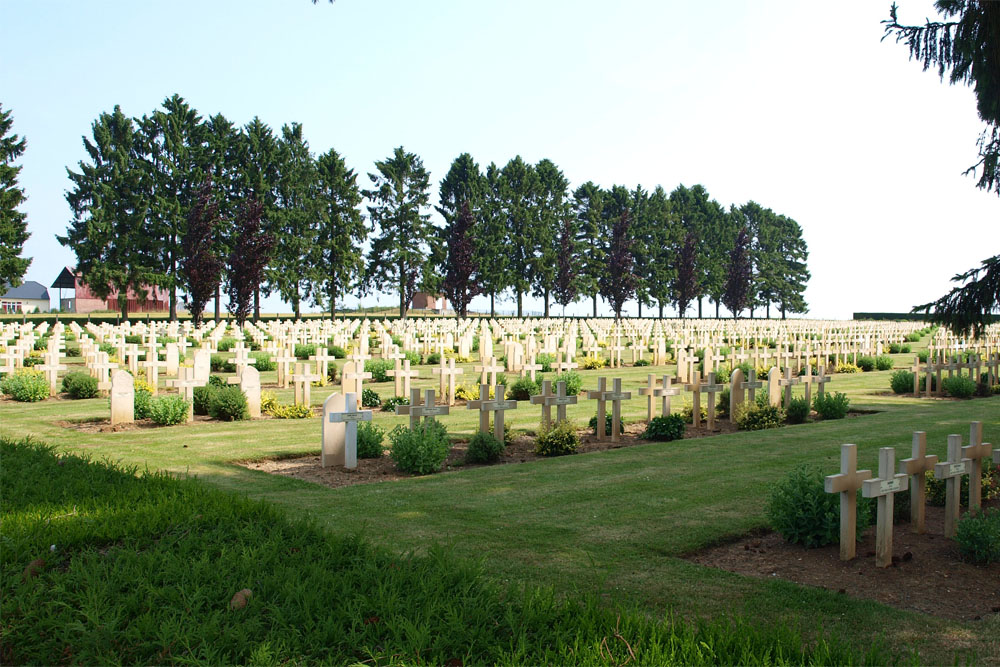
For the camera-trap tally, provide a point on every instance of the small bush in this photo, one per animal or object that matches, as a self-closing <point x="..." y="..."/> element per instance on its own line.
<point x="866" y="363"/>
<point x="26" y="386"/>
<point x="959" y="386"/>
<point x="389" y="404"/>
<point x="665" y="428"/>
<point x="883" y="362"/>
<point x="292" y="411"/>
<point x="722" y="405"/>
<point x="304" y="350"/>
<point x="268" y="402"/>
<point x="687" y="413"/>
<point x="168" y="410"/>
<point x="757" y="416"/>
<point x="229" y="404"/>
<point x="523" y="389"/>
<point x="134" y="340"/>
<point x="466" y="393"/>
<point x="922" y="356"/>
<point x="413" y="357"/>
<point x="978" y="537"/>
<point x="422" y="450"/>
<point x="557" y="440"/>
<point x="263" y="361"/>
<point x="831" y="405"/>
<point x="141" y="404"/>
<point x="81" y="385"/>
<point x="218" y="363"/>
<point x="573" y="380"/>
<point x="801" y="511"/>
<point x="484" y="448"/>
<point x="217" y="381"/>
<point x="378" y="368"/>
<point x="433" y="359"/>
<point x="226" y="344"/>
<point x="73" y="352"/>
<point x="546" y="361"/>
<point x="70" y="378"/>
<point x="901" y="382"/>
<point x="905" y="349"/>
<point x="370" y="437"/>
<point x="369" y="398"/>
<point x="913" y="337"/>
<point x="590" y="363"/>
<point x="337" y="351"/>
<point x="32" y="361"/>
<point x="607" y="424"/>
<point x="798" y="411"/>
<point x="202" y="399"/>
<point x="989" y="486"/>
<point x="641" y="362"/>
<point x="844" y="367"/>
<point x="331" y="373"/>
<point x="895" y="348"/>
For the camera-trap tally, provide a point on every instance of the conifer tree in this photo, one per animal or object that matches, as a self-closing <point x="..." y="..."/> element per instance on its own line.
<point x="551" y="209"/>
<point x="518" y="191"/>
<point x="588" y="207"/>
<point x="491" y="261"/>
<point x="661" y="231"/>
<point x="13" y="223"/>
<point x="568" y="259"/>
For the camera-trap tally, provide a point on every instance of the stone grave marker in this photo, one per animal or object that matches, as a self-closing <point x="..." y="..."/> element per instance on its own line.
<point x="787" y="382"/>
<point x="348" y="418"/>
<point x="351" y="379"/>
<point x="666" y="390"/>
<point x="202" y="366"/>
<point x="250" y="385"/>
<point x="820" y="379"/>
<point x="711" y="388"/>
<point x="752" y="385"/>
<point x="122" y="398"/>
<point x="976" y="451"/>
<point x="478" y="404"/>
<point x="884" y="487"/>
<point x="334" y="432"/>
<point x="847" y="484"/>
<point x="448" y="374"/>
<point x="695" y="388"/>
<point x="916" y="467"/>
<point x="416" y="411"/>
<point x="774" y="386"/>
<point x="302" y="378"/>
<point x="951" y="471"/>
<point x="649" y="391"/>
<point x="185" y="384"/>
<point x="736" y="391"/>
<point x="173" y="359"/>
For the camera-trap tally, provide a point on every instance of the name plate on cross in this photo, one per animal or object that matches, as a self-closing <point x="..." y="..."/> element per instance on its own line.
<point x="889" y="486"/>
<point x="563" y="400"/>
<point x="617" y="396"/>
<point x="958" y="469"/>
<point x="433" y="411"/>
<point x="503" y="405"/>
<point x="351" y="416"/>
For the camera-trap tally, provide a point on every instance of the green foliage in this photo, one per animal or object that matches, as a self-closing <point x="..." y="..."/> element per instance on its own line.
<point x="665" y="428"/>
<point x="484" y="448"/>
<point x="687" y="413"/>
<point x="219" y="363"/>
<point x="905" y="349"/>
<point x="337" y="352"/>
<point x="607" y="424"/>
<point x="78" y="385"/>
<point x="558" y="439"/>
<point x="134" y="340"/>
<point x="895" y="348"/>
<point x="378" y="368"/>
<point x="168" y="410"/>
<point x="844" y="367"/>
<point x="913" y="337"/>
<point x="989" y="486"/>
<point x="722" y="405"/>
<point x="263" y="361"/>
<point x="590" y="363"/>
<point x="545" y="360"/>
<point x="433" y="359"/>
<point x="801" y="511"/>
<point x="922" y="356"/>
<point x="758" y="416"/>
<point x="959" y="386"/>
<point x="217" y="381"/>
<point x="798" y="411"/>
<point x="229" y="404"/>
<point x="831" y="405"/>
<point x="226" y="344"/>
<point x="73" y="352"/>
<point x="143" y="398"/>
<point x="901" y="382"/>
<point x="523" y="389"/>
<point x="866" y="363"/>
<point x="573" y="380"/>
<point x="304" y="350"/>
<point x="389" y="404"/>
<point x="291" y="411"/>
<point x="26" y="386"/>
<point x="202" y="399"/>
<point x="370" y="436"/>
<point x="641" y="362"/>
<point x="978" y="537"/>
<point x="883" y="362"/>
<point x="422" y="450"/>
<point x="370" y="398"/>
<point x="413" y="357"/>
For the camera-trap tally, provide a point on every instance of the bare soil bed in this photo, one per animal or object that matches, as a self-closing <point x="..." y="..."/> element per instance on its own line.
<point x="927" y="574"/>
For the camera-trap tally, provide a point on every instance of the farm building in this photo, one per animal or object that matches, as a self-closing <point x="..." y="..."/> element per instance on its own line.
<point x="85" y="301"/>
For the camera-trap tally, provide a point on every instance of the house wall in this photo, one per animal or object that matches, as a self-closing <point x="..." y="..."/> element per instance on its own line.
<point x="24" y="306"/>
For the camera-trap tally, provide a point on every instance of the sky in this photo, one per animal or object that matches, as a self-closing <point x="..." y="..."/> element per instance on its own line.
<point x="796" y="105"/>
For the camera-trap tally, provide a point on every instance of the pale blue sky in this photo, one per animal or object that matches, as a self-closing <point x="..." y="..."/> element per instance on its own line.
<point x="794" y="104"/>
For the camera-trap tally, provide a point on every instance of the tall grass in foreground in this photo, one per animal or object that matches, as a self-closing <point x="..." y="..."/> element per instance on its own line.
<point x="142" y="569"/>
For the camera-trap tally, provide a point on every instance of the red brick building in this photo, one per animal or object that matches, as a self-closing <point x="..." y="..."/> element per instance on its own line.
<point x="85" y="301"/>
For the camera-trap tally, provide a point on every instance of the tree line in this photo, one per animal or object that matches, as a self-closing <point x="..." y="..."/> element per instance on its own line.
<point x="197" y="205"/>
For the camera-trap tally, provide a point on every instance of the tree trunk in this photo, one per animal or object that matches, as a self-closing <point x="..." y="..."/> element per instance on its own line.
<point x="519" y="305"/>
<point x="256" y="303"/>
<point x="782" y="311"/>
<point x="296" y="306"/>
<point x="640" y="309"/>
<point x="751" y="312"/>
<point x="173" y="285"/>
<point x="546" y="302"/>
<point x="699" y="307"/>
<point x="716" y="310"/>
<point x="402" y="303"/>
<point x="595" y="304"/>
<point x="767" y="312"/>
<point x="661" y="310"/>
<point x="218" y="302"/>
<point x="333" y="302"/>
<point x="493" y="310"/>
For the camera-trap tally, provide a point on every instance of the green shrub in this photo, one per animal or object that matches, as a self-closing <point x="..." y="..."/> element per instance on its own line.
<point x="434" y="358"/>
<point x="757" y="417"/>
<point x="641" y="362"/>
<point x="959" y="386"/>
<point x="573" y="380"/>
<point x="141" y="404"/>
<point x="901" y="382"/>
<point x="905" y="349"/>
<point x="370" y="437"/>
<point x="798" y="411"/>
<point x="168" y="410"/>
<point x="484" y="448"/>
<point x="545" y="361"/>
<point x="558" y="439"/>
<point x="202" y="399"/>
<point x="292" y="411"/>
<point x="229" y="404"/>
<point x="73" y="352"/>
<point x="134" y="340"/>
<point x="389" y="404"/>
<point x="978" y="536"/>
<point x="370" y="398"/>
<point x="337" y="352"/>
<point x="218" y="363"/>
<point x="378" y="368"/>
<point x="883" y="362"/>
<point x="80" y="385"/>
<point x="687" y="413"/>
<point x="590" y="363"/>
<point x="989" y="486"/>
<point x="26" y="386"/>
<point x="607" y="424"/>
<point x="263" y="361"/>
<point x="413" y="357"/>
<point x="895" y="348"/>
<point x="421" y="450"/>
<point x="523" y="389"/>
<point x="801" y="511"/>
<point x="665" y="428"/>
<point x="831" y="405"/>
<point x="922" y="356"/>
<point x="226" y="344"/>
<point x="845" y="367"/>
<point x="331" y="373"/>
<point x="722" y="404"/>
<point x="866" y="363"/>
<point x="304" y="350"/>
<point x="217" y="381"/>
<point x="913" y="337"/>
<point x="31" y="362"/>
<point x="70" y="378"/>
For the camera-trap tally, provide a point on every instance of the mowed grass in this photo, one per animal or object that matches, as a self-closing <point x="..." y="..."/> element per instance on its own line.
<point x="616" y="523"/>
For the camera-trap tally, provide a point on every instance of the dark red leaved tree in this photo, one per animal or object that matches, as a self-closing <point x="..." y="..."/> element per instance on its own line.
<point x="460" y="280"/>
<point x="200" y="265"/>
<point x="738" y="275"/>
<point x="617" y="285"/>
<point x="686" y="286"/>
<point x="250" y="255"/>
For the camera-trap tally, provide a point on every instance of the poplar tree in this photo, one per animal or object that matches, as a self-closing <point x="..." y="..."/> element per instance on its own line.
<point x="13" y="223"/>
<point x="400" y="254"/>
<point x="661" y="231"/>
<point x="222" y="162"/>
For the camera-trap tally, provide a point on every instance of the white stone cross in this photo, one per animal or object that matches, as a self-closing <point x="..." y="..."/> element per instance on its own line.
<point x="351" y="378"/>
<point x="752" y="385"/>
<point x="649" y="391"/>
<point x="529" y="369"/>
<point x="916" y="467"/>
<point x="788" y="382"/>
<point x="540" y="399"/>
<point x="560" y="400"/>
<point x="847" y="484"/>
<point x="820" y="379"/>
<point x="322" y="359"/>
<point x="665" y="391"/>
<point x="496" y="406"/>
<point x="303" y="377"/>
<point x="711" y="388"/>
<point x="185" y="384"/>
<point x="51" y="368"/>
<point x="695" y="388"/>
<point x="884" y="487"/>
<point x="951" y="471"/>
<point x="976" y="451"/>
<point x="488" y="371"/>
<point x="340" y="430"/>
<point x="284" y="359"/>
<point x="416" y="411"/>
<point x="404" y="375"/>
<point x="448" y="374"/>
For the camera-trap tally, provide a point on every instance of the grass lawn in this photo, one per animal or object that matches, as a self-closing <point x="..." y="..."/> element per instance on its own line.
<point x="615" y="523"/>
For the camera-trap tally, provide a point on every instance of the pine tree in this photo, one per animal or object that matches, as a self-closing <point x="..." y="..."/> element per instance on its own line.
<point x="619" y="281"/>
<point x="491" y="238"/>
<point x="795" y="275"/>
<point x="250" y="255"/>
<point x="400" y="254"/>
<point x="461" y="282"/>
<point x="588" y="207"/>
<point x="551" y="209"/>
<point x="739" y="274"/>
<point x="518" y="191"/>
<point x="661" y="231"/>
<point x="13" y="223"/>
<point x="222" y="160"/>
<point x="200" y="264"/>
